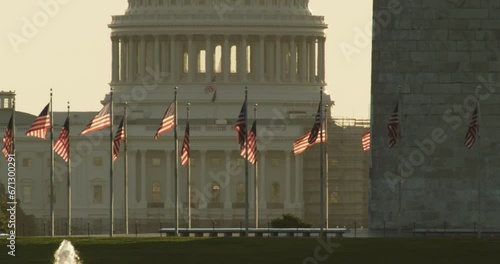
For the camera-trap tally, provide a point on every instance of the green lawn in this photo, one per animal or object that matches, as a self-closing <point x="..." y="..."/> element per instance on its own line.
<point x="260" y="250"/>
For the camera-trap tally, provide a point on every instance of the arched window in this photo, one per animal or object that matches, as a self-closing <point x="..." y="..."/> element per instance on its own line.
<point x="249" y="59"/>
<point x="202" y="61"/>
<point x="186" y="62"/>
<point x="218" y="59"/>
<point x="276" y="193"/>
<point x="240" y="193"/>
<point x="233" y="60"/>
<point x="215" y="193"/>
<point x="156" y="192"/>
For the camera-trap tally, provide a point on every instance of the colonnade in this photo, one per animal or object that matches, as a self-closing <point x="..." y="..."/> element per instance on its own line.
<point x="232" y="58"/>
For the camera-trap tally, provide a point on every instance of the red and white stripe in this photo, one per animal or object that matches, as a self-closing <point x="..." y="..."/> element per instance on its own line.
<point x="365" y="141"/>
<point x="252" y="145"/>
<point x="185" y="147"/>
<point x="302" y="143"/>
<point x="61" y="146"/>
<point x="120" y="135"/>
<point x="100" y="121"/>
<point x="168" y="121"/>
<point x="7" y="140"/>
<point x="41" y="125"/>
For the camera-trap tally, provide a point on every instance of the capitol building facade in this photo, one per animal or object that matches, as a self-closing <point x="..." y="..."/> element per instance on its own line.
<point x="274" y="48"/>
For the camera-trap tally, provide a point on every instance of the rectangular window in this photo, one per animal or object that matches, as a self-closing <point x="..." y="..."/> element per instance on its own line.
<point x="26" y="194"/>
<point x="275" y="162"/>
<point x="27" y="162"/>
<point x="156" y="162"/>
<point x="215" y="162"/>
<point x="97" y="161"/>
<point x="97" y="194"/>
<point x="156" y="192"/>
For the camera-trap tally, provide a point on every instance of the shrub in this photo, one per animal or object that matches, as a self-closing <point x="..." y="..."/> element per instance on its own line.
<point x="289" y="221"/>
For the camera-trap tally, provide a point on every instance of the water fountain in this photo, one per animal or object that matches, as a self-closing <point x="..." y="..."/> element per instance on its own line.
<point x="66" y="254"/>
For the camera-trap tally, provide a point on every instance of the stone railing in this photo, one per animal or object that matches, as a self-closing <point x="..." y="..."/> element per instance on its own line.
<point x="239" y="19"/>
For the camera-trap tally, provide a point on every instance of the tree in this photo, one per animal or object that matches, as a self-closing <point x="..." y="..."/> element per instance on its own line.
<point x="21" y="217"/>
<point x="4" y="218"/>
<point x="289" y="221"/>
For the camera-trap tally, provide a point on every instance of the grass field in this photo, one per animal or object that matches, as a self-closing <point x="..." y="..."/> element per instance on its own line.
<point x="260" y="250"/>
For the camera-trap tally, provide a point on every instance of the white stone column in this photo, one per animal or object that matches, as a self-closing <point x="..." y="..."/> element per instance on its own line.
<point x="298" y="182"/>
<point x="143" y="178"/>
<point x="303" y="60"/>
<point x="132" y="56"/>
<point x="123" y="60"/>
<point x="226" y="56"/>
<point x="132" y="168"/>
<point x="227" y="189"/>
<point x="115" y="53"/>
<point x="163" y="57"/>
<point x="262" y="58"/>
<point x="191" y="59"/>
<point x="293" y="59"/>
<point x="156" y="57"/>
<point x="288" y="176"/>
<point x="203" y="174"/>
<point x="243" y="59"/>
<point x="278" y="59"/>
<point x="262" y="180"/>
<point x="209" y="58"/>
<point x="168" y="179"/>
<point x="173" y="59"/>
<point x="142" y="57"/>
<point x="312" y="61"/>
<point x="321" y="59"/>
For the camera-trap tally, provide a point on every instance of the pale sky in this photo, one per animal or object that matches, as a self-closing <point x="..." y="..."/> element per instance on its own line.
<point x="71" y="53"/>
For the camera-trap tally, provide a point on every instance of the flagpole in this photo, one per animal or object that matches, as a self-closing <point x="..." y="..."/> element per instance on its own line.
<point x="51" y="167"/>
<point x="246" y="164"/>
<point x="479" y="231"/>
<point x="69" y="177"/>
<point x="189" y="174"/>
<point x="13" y="148"/>
<point x="111" y="166"/>
<point x="399" y="154"/>
<point x="125" y="116"/>
<point x="321" y="173"/>
<point x="255" y="174"/>
<point x="326" y="167"/>
<point x="176" y="167"/>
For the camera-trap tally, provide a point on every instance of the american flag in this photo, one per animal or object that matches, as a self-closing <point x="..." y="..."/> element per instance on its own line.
<point x="365" y="141"/>
<point x="472" y="132"/>
<point x="316" y="127"/>
<point x="62" y="144"/>
<point x="211" y="87"/>
<point x="41" y="125"/>
<point x="120" y="135"/>
<point x="167" y="122"/>
<point x="252" y="145"/>
<point x="100" y="121"/>
<point x="240" y="126"/>
<point x="185" y="146"/>
<point x="393" y="127"/>
<point x="302" y="143"/>
<point x="8" y="140"/>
